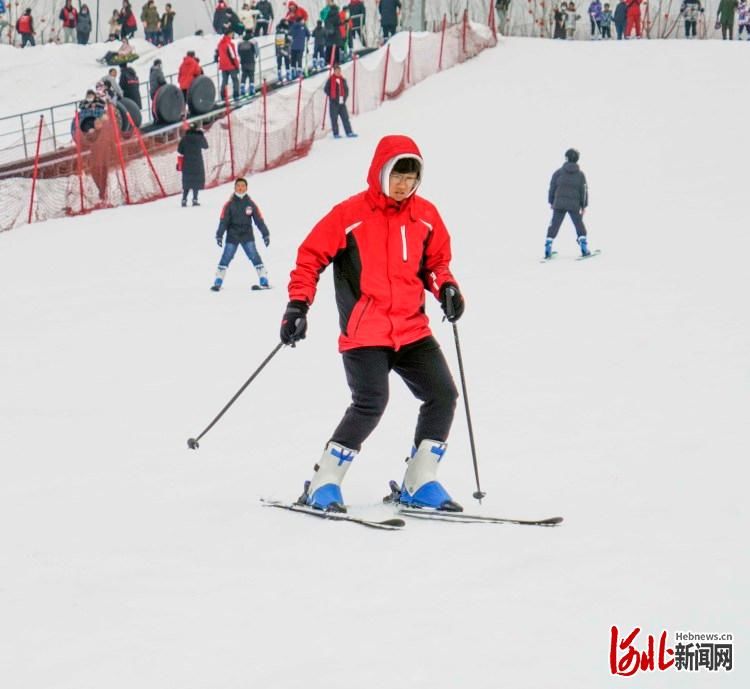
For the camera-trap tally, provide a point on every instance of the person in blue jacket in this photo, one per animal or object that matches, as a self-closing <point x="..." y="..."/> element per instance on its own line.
<point x="621" y="18"/>
<point x="299" y="34"/>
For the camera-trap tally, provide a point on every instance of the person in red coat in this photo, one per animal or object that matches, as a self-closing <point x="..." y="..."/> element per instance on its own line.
<point x="189" y="69"/>
<point x="633" y="18"/>
<point x="295" y="12"/>
<point x="229" y="64"/>
<point x="387" y="246"/>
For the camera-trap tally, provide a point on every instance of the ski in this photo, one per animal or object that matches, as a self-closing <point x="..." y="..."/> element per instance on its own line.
<point x="393" y="524"/>
<point x="595" y="252"/>
<point x="463" y="518"/>
<point x="258" y="288"/>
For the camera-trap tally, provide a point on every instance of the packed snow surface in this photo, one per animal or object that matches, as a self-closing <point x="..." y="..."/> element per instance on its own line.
<point x="613" y="392"/>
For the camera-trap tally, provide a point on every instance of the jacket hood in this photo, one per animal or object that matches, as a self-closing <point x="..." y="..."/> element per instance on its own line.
<point x="388" y="152"/>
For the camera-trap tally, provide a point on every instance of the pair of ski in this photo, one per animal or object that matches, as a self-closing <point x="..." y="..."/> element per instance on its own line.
<point x="396" y="523"/>
<point x="595" y="252"/>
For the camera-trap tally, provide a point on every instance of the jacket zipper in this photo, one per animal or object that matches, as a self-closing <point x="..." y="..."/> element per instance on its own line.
<point x="403" y="243"/>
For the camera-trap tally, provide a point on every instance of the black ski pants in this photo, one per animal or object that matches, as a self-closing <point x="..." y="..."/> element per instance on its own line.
<point x="339" y="110"/>
<point x="559" y="215"/>
<point x="225" y="77"/>
<point x="421" y="366"/>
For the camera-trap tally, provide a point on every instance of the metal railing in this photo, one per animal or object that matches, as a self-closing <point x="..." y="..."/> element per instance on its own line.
<point x="18" y="132"/>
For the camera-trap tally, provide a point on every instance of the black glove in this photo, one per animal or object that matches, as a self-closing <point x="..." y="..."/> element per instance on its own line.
<point x="451" y="301"/>
<point x="294" y="322"/>
<point x="267" y="239"/>
<point x="219" y="240"/>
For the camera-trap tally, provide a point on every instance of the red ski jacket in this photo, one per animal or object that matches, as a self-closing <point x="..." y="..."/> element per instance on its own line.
<point x="189" y="69"/>
<point x="384" y="256"/>
<point x="228" y="60"/>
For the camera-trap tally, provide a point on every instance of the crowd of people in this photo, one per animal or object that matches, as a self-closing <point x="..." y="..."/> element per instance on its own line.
<point x="626" y="16"/>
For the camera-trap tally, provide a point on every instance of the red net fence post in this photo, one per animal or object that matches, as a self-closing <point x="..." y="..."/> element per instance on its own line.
<point x="442" y="43"/>
<point x="229" y="132"/>
<point x="144" y="150"/>
<point x="408" y="59"/>
<point x="463" y="34"/>
<point x="354" y="84"/>
<point x="325" y="106"/>
<point x="118" y="142"/>
<point x="265" y="125"/>
<point x="79" y="158"/>
<point x="36" y="166"/>
<point x="385" y="73"/>
<point x="296" y="120"/>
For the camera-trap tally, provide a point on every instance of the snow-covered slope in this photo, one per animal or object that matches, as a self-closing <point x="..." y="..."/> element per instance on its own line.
<point x="612" y="391"/>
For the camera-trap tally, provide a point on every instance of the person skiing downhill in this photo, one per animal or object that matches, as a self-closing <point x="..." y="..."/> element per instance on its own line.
<point x="237" y="218"/>
<point x="387" y="245"/>
<point x="568" y="193"/>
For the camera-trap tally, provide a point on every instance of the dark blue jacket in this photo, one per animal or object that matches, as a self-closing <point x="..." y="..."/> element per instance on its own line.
<point x="568" y="190"/>
<point x="299" y="33"/>
<point x="621" y="13"/>
<point x="237" y="219"/>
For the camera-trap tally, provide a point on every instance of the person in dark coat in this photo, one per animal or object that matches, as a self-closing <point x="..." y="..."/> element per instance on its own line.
<point x="190" y="162"/>
<point x="389" y="11"/>
<point x="156" y="78"/>
<point x="237" y="218"/>
<point x="247" y="51"/>
<point x="319" y="46"/>
<point x="221" y="22"/>
<point x="337" y="91"/>
<point x="332" y="28"/>
<point x="265" y="17"/>
<point x="568" y="193"/>
<point x="357" y="19"/>
<point x="129" y="84"/>
<point x="621" y="18"/>
<point x="83" y="27"/>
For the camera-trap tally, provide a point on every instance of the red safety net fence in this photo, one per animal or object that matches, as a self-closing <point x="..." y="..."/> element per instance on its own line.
<point x="108" y="167"/>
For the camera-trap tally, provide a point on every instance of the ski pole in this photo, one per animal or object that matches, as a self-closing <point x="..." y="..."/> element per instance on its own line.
<point x="450" y="313"/>
<point x="193" y="442"/>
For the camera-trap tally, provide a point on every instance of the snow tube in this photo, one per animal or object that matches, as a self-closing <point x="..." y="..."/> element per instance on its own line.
<point x="168" y="104"/>
<point x="133" y="109"/>
<point x="201" y="95"/>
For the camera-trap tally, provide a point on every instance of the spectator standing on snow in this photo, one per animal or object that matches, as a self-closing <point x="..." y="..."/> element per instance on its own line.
<point x="150" y="19"/>
<point x="725" y="17"/>
<point x="299" y="33"/>
<point x="114" y="26"/>
<point x="128" y="24"/>
<point x="606" y="21"/>
<point x="283" y="46"/>
<point x="337" y="91"/>
<point x="389" y="12"/>
<point x="570" y="21"/>
<point x="69" y="18"/>
<point x="237" y="218"/>
<point x="620" y="19"/>
<point x="83" y="27"/>
<point x="633" y="18"/>
<point x="265" y="17"/>
<point x="319" y="46"/>
<point x="189" y="69"/>
<point x="743" y="19"/>
<point x="595" y="17"/>
<point x="4" y="23"/>
<point x="247" y="51"/>
<point x="332" y="27"/>
<point x="220" y="21"/>
<point x="248" y="16"/>
<point x="229" y="65"/>
<point x="130" y="84"/>
<point x="568" y="195"/>
<point x="25" y="27"/>
<point x="558" y="18"/>
<point x="295" y="12"/>
<point x="357" y="20"/>
<point x="167" y="25"/>
<point x="190" y="162"/>
<point x="690" y="11"/>
<point x="156" y="78"/>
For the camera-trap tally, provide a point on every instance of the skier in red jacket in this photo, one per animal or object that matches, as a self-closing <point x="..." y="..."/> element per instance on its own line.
<point x="387" y="246"/>
<point x="229" y="64"/>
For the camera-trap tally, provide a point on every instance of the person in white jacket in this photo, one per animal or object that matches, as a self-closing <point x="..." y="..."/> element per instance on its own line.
<point x="248" y="16"/>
